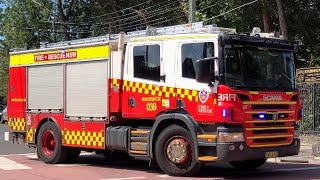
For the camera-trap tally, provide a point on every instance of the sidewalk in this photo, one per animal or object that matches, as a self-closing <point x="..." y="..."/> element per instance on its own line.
<point x="305" y="156"/>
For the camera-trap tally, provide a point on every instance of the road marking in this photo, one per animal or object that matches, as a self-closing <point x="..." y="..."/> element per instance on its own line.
<point x="7" y="164"/>
<point x="128" y="178"/>
<point x="32" y="156"/>
<point x="26" y="154"/>
<point x="164" y="176"/>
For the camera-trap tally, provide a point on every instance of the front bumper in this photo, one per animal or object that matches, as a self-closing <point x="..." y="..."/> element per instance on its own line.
<point x="247" y="153"/>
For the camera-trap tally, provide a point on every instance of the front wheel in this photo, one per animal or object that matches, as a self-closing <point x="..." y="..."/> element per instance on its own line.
<point x="175" y="152"/>
<point x="249" y="164"/>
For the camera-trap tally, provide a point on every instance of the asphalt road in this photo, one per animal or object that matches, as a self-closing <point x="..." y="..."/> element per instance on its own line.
<point x="10" y="148"/>
<point x="20" y="162"/>
<point x="95" y="167"/>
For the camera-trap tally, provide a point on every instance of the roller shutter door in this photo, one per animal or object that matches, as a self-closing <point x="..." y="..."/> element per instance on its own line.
<point x="45" y="87"/>
<point x="86" y="89"/>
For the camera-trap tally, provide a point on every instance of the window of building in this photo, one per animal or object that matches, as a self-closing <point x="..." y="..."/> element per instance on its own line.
<point x="192" y="52"/>
<point x="147" y="62"/>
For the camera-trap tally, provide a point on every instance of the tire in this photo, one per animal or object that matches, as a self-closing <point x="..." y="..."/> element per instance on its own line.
<point x="49" y="144"/>
<point x="188" y="164"/>
<point x="248" y="165"/>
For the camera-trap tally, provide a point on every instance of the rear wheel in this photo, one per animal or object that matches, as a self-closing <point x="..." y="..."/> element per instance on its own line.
<point x="175" y="152"/>
<point x="49" y="144"/>
<point x="249" y="165"/>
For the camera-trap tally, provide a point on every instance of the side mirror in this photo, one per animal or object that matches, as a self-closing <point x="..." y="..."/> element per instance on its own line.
<point x="205" y="69"/>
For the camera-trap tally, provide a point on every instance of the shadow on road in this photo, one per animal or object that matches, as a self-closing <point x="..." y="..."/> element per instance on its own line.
<point x="214" y="170"/>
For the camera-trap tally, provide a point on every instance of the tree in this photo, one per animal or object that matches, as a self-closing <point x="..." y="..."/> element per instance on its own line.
<point x="282" y="19"/>
<point x="266" y="15"/>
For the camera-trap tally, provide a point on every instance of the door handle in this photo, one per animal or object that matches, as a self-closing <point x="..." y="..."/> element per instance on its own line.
<point x="163" y="78"/>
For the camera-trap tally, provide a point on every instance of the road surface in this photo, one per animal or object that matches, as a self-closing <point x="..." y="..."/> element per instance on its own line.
<point x="19" y="162"/>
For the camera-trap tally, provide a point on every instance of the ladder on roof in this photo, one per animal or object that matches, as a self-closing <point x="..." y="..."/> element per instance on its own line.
<point x="197" y="27"/>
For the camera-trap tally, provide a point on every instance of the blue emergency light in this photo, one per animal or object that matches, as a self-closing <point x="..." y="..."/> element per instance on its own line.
<point x="262" y="116"/>
<point x="224" y="113"/>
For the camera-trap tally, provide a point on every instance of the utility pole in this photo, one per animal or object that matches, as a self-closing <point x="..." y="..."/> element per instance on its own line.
<point x="53" y="29"/>
<point x="192" y="11"/>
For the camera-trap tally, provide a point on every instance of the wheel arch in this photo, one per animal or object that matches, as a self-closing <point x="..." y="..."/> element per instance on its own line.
<point x="42" y="122"/>
<point x="165" y="120"/>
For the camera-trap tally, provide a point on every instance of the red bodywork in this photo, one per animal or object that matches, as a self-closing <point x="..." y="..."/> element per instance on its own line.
<point x="148" y="102"/>
<point x="17" y="99"/>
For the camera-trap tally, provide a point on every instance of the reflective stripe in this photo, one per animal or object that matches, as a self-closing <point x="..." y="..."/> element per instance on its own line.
<point x="83" y="138"/>
<point x="84" y="53"/>
<point x="17" y="124"/>
<point x="268" y="128"/>
<point x="149" y="89"/>
<point x="269" y="102"/>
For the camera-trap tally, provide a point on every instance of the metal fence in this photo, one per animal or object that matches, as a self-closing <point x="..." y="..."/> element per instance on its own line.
<point x="310" y="99"/>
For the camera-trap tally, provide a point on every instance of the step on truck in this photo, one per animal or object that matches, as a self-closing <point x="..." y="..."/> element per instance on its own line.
<point x="181" y="96"/>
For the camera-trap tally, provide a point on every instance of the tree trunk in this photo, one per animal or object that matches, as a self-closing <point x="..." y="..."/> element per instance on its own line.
<point x="266" y="16"/>
<point x="64" y="17"/>
<point x="282" y="20"/>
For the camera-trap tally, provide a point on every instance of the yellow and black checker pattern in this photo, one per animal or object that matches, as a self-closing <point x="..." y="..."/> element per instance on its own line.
<point x="115" y="82"/>
<point x="83" y="138"/>
<point x="30" y="134"/>
<point x="192" y="95"/>
<point x="167" y="92"/>
<point x="17" y="124"/>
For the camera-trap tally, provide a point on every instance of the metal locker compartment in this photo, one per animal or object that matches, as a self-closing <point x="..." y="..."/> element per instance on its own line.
<point x="45" y="87"/>
<point x="86" y="89"/>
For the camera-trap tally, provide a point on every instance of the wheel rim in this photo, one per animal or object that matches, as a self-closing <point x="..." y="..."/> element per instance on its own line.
<point x="48" y="143"/>
<point x="178" y="150"/>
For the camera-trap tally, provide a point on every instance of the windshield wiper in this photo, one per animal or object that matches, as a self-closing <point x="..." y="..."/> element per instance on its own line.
<point x="287" y="78"/>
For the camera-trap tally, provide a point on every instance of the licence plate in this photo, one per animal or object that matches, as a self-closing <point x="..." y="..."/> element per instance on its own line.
<point x="271" y="154"/>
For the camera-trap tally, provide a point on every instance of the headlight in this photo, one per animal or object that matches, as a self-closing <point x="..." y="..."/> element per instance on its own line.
<point x="231" y="137"/>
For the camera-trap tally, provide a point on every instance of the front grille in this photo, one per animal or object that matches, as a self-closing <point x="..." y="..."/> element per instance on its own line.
<point x="269" y="124"/>
<point x="270" y="131"/>
<point x="270" y="116"/>
<point x="266" y="140"/>
<point x="270" y="106"/>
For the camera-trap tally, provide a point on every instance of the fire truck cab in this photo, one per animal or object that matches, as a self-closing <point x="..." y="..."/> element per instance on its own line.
<point x="180" y="95"/>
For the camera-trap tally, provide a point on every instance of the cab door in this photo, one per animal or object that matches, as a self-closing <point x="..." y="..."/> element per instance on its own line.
<point x="199" y="99"/>
<point x="142" y="84"/>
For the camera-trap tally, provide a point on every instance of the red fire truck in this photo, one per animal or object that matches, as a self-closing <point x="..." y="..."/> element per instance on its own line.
<point x="181" y="95"/>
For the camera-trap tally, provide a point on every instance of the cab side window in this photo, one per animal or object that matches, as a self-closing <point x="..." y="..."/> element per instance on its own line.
<point x="192" y="52"/>
<point x="146" y="60"/>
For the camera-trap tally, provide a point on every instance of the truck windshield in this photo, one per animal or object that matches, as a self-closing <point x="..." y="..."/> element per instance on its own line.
<point x="259" y="69"/>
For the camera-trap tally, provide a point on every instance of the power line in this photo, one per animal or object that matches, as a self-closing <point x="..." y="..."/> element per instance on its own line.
<point x="231" y="10"/>
<point x="139" y="20"/>
<point x="209" y="6"/>
<point x="128" y="25"/>
<point x="167" y="20"/>
<point x="123" y="15"/>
